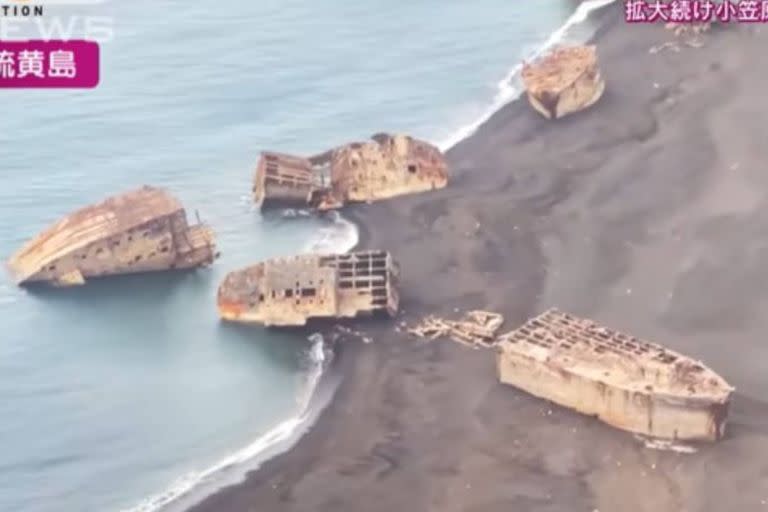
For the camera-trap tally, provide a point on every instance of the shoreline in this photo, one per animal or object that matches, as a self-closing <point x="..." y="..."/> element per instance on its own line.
<point x="425" y="426"/>
<point x="585" y="11"/>
<point x="323" y="396"/>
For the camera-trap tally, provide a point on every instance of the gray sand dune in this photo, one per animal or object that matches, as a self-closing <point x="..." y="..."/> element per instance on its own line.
<point x="648" y="213"/>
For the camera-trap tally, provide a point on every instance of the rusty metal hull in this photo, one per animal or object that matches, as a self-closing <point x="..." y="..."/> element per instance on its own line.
<point x="284" y="181"/>
<point x="564" y="81"/>
<point x="580" y="96"/>
<point x="384" y="167"/>
<point x="625" y="382"/>
<point x="648" y="414"/>
<point x="144" y="230"/>
<point x="290" y="291"/>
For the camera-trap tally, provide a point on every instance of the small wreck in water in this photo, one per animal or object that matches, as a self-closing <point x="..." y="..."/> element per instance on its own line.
<point x="290" y="291"/>
<point x="564" y="81"/>
<point x="626" y="382"/>
<point x="383" y="167"/>
<point x="139" y="231"/>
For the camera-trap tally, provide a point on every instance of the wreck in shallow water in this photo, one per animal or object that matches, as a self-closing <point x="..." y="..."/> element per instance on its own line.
<point x="626" y="382"/>
<point x="139" y="231"/>
<point x="383" y="167"/>
<point x="564" y="81"/>
<point x="290" y="291"/>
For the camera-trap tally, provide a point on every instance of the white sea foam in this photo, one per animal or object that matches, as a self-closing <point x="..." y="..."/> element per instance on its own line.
<point x="341" y="235"/>
<point x="318" y="359"/>
<point x="509" y="88"/>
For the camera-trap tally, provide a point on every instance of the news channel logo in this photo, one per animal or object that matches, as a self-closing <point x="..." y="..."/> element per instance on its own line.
<point x="49" y="20"/>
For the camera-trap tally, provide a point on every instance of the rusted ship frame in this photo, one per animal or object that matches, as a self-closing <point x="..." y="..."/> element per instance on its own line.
<point x="383" y="167"/>
<point x="290" y="291"/>
<point x="626" y="382"/>
<point x="142" y="230"/>
<point x="564" y="81"/>
<point x="287" y="181"/>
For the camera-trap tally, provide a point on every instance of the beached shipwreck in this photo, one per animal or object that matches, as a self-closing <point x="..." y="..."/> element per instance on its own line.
<point x="564" y="81"/>
<point x="139" y="231"/>
<point x="626" y="382"/>
<point x="290" y="291"/>
<point x="383" y="167"/>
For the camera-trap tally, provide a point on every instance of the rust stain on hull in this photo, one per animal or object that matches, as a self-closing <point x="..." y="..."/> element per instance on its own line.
<point x="384" y="167"/>
<point x="290" y="291"/>
<point x="564" y="81"/>
<point x="625" y="382"/>
<point x="142" y="230"/>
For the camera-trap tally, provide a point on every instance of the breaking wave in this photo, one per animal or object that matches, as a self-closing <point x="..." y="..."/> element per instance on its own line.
<point x="341" y="235"/>
<point x="318" y="357"/>
<point x="510" y="87"/>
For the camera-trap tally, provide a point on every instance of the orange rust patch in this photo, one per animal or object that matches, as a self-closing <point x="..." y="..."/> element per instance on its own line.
<point x="231" y="309"/>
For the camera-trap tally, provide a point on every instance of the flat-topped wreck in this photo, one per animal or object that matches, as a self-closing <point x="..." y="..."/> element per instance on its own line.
<point x="381" y="168"/>
<point x="290" y="291"/>
<point x="626" y="382"/>
<point x="141" y="230"/>
<point x="564" y="81"/>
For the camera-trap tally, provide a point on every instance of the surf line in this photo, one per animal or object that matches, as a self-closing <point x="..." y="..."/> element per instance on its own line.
<point x="507" y="89"/>
<point x="319" y="359"/>
<point x="341" y="235"/>
<point x="286" y="429"/>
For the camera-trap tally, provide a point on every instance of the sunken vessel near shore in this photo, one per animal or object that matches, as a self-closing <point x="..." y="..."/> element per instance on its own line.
<point x="381" y="168"/>
<point x="143" y="230"/>
<point x="625" y="382"/>
<point x="290" y="291"/>
<point x="564" y="81"/>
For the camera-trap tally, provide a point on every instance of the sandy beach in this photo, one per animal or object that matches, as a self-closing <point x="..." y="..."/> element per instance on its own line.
<point x="644" y="213"/>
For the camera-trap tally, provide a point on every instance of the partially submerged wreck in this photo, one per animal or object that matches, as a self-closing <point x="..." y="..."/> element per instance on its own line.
<point x="564" y="81"/>
<point x="139" y="231"/>
<point x="628" y="383"/>
<point x="290" y="291"/>
<point x="383" y="167"/>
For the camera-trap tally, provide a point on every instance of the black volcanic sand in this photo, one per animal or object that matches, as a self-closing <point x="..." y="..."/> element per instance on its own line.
<point x="649" y="213"/>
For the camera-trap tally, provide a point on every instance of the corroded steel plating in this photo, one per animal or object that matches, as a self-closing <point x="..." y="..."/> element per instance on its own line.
<point x="142" y="230"/>
<point x="384" y="167"/>
<point x="624" y="381"/>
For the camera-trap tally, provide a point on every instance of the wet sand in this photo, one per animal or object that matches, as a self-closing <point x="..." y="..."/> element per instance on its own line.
<point x="648" y="213"/>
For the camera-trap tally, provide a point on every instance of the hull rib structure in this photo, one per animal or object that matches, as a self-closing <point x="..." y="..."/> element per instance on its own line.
<point x="286" y="292"/>
<point x="625" y="382"/>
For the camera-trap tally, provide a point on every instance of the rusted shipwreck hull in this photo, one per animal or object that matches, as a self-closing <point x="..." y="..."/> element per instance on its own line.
<point x="383" y="167"/>
<point x="290" y="291"/>
<point x="564" y="81"/>
<point x="628" y="383"/>
<point x="139" y="231"/>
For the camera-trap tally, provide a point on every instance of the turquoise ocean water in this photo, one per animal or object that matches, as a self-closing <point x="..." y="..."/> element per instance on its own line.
<point x="127" y="393"/>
